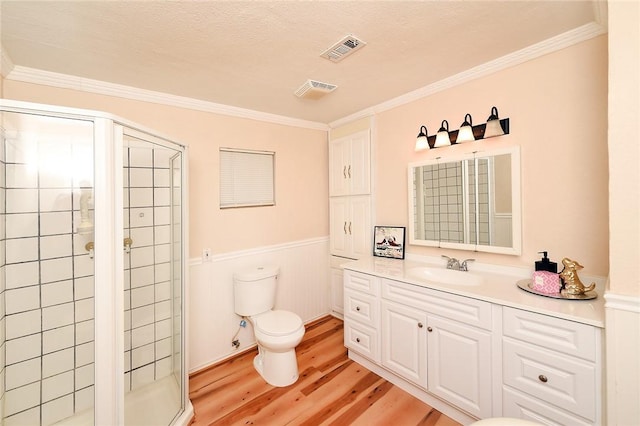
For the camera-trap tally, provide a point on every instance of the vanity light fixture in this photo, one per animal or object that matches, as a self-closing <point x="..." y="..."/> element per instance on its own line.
<point x="465" y="133"/>
<point x="422" y="142"/>
<point x="442" y="137"/>
<point x="494" y="126"/>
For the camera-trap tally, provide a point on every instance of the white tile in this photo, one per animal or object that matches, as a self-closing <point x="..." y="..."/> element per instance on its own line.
<point x="162" y="253"/>
<point x="163" y="348"/>
<point x="23" y="324"/>
<point x="127" y="341"/>
<point x="56" y="386"/>
<point x="142" y="276"/>
<point x="162" y="216"/>
<point x="142" y="336"/>
<point x="163" y="291"/>
<point x="56" y="269"/>
<point x="127" y="360"/>
<point x="140" y="157"/>
<point x="55" y="223"/>
<point x="126" y="218"/>
<point x="56" y="410"/>
<point x="127" y="382"/>
<point x="161" y="197"/>
<point x="58" y="339"/>
<point x="161" y="178"/>
<point x="22" y="274"/>
<point x="142" y="296"/>
<point x="127" y="300"/>
<point x="84" y="376"/>
<point x="163" y="310"/>
<point x="127" y="320"/>
<point x="57" y="316"/>
<point x="22" y="373"/>
<point x="125" y="156"/>
<point x="55" y="246"/>
<point x="84" y="309"/>
<point x="140" y="177"/>
<point x="140" y="197"/>
<point x="163" y="368"/>
<point x="84" y="354"/>
<point x="85" y="331"/>
<point x="162" y="157"/>
<point x="23" y="150"/>
<point x="142" y="236"/>
<point x="142" y="256"/>
<point x="56" y="293"/>
<point x="21" y="250"/>
<point x="21" y="200"/>
<point x="21" y="176"/>
<point x="162" y="234"/>
<point x="57" y="362"/>
<point x="21" y="398"/>
<point x="163" y="329"/>
<point x="22" y="348"/>
<point x="83" y="266"/>
<point x="140" y="217"/>
<point x="21" y="225"/>
<point x="79" y="243"/>
<point x="125" y="198"/>
<point x="142" y="316"/>
<point x="28" y="417"/>
<point x="56" y="199"/>
<point x="142" y="376"/>
<point x="142" y="356"/>
<point x="83" y="287"/>
<point x="84" y="399"/>
<point x="22" y="299"/>
<point x="163" y="272"/>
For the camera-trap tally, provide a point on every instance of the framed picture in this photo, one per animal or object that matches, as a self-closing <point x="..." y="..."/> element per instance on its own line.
<point x="388" y="241"/>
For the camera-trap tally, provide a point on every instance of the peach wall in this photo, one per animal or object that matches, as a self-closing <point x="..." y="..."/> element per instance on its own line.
<point x="302" y="190"/>
<point x="557" y="105"/>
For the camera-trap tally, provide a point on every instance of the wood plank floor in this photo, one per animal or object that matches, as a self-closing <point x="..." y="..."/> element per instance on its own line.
<point x="331" y="390"/>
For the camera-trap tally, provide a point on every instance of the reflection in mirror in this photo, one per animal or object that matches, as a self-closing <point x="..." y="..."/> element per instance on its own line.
<point x="467" y="203"/>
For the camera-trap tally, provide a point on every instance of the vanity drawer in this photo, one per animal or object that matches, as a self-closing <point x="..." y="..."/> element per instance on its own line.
<point x="362" y="339"/>
<point x="361" y="307"/>
<point x="521" y="406"/>
<point x="560" y="380"/>
<point x="463" y="309"/>
<point x="362" y="282"/>
<point x="559" y="335"/>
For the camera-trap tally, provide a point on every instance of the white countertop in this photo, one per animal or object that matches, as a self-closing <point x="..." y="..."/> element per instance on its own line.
<point x="498" y="288"/>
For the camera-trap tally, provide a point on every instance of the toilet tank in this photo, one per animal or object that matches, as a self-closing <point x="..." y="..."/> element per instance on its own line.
<point x="254" y="290"/>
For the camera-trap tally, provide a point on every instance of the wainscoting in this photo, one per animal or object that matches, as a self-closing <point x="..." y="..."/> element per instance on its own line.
<point x="303" y="288"/>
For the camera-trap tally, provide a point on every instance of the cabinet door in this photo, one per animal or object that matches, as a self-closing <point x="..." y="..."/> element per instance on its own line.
<point x="337" y="291"/>
<point x="404" y="342"/>
<point x="459" y="365"/>
<point x="359" y="168"/>
<point x="339" y="239"/>
<point x="339" y="160"/>
<point x="359" y="227"/>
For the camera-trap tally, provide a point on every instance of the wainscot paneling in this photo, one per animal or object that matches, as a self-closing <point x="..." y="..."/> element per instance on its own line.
<point x="303" y="288"/>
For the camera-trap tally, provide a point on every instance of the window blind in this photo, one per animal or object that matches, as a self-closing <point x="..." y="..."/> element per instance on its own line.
<point x="246" y="178"/>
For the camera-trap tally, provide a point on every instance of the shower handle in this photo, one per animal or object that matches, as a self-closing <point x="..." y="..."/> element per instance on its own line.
<point x="127" y="244"/>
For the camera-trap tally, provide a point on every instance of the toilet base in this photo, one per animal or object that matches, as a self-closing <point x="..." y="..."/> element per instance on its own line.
<point x="279" y="369"/>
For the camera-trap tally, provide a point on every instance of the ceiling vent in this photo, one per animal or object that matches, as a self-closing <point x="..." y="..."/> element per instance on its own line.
<point x="312" y="89"/>
<point x="343" y="48"/>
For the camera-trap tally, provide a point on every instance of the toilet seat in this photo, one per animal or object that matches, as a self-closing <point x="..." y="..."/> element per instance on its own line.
<point x="277" y="323"/>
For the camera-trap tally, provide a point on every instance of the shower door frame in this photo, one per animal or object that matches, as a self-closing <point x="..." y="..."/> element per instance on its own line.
<point x="108" y="259"/>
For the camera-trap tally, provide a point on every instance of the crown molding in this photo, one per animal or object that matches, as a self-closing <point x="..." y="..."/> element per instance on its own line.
<point x="6" y="64"/>
<point x="65" y="81"/>
<point x="550" y="45"/>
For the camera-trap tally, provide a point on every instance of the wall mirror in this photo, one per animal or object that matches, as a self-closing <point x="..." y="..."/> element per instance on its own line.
<point x="468" y="202"/>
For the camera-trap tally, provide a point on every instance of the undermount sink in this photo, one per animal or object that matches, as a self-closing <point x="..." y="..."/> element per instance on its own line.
<point x="445" y="276"/>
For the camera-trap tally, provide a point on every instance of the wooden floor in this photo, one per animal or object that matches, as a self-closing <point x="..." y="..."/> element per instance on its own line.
<point x="331" y="390"/>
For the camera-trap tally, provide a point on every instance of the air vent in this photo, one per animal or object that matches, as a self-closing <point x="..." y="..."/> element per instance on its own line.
<point x="313" y="89"/>
<point x="343" y="48"/>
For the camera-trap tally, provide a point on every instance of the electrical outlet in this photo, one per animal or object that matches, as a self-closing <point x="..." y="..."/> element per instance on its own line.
<point x="206" y="255"/>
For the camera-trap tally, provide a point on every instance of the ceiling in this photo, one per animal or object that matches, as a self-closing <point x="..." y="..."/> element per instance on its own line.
<point x="254" y="55"/>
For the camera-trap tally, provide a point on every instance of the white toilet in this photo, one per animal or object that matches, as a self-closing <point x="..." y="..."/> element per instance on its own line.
<point x="277" y="332"/>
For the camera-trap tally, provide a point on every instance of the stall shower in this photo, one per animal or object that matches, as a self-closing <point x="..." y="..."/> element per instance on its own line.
<point x="92" y="270"/>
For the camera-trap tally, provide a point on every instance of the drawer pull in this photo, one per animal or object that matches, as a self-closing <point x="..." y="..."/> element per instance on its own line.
<point x="358" y="339"/>
<point x="543" y="378"/>
<point x="358" y="308"/>
<point x="420" y="325"/>
<point x="429" y="329"/>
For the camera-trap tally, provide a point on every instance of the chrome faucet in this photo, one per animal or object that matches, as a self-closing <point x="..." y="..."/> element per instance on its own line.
<point x="456" y="265"/>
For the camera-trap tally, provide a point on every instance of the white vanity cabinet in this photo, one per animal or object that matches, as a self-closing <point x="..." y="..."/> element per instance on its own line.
<point x="551" y="369"/>
<point x="350" y="165"/>
<point x="362" y="314"/>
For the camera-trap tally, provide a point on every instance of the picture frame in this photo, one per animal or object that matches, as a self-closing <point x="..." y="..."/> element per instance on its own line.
<point x="388" y="241"/>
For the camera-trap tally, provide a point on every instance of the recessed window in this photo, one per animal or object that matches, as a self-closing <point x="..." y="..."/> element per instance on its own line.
<point x="246" y="178"/>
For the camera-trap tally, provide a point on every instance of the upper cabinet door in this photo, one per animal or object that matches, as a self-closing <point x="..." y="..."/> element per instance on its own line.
<point x="350" y="165"/>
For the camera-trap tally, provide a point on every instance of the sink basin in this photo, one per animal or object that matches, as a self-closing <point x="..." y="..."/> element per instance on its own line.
<point x="445" y="276"/>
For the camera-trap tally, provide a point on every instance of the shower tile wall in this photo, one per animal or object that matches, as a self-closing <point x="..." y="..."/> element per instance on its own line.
<point x="2" y="284"/>
<point x="443" y="203"/>
<point x="148" y="293"/>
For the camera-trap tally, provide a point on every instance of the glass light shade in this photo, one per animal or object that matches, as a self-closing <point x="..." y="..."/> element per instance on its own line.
<point x="422" y="142"/>
<point x="465" y="133"/>
<point x="442" y="138"/>
<point x="493" y="128"/>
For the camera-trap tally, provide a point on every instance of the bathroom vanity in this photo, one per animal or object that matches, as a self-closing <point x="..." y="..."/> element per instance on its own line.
<point x="472" y="344"/>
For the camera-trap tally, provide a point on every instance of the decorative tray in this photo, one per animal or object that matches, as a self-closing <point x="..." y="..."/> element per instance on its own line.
<point x="526" y="286"/>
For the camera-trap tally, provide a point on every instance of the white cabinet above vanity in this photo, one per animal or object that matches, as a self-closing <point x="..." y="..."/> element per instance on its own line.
<point x="478" y="347"/>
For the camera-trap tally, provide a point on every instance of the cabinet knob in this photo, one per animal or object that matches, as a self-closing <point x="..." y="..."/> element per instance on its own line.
<point x="358" y="308"/>
<point x="344" y="172"/>
<point x="542" y="378"/>
<point x="429" y="329"/>
<point x="420" y="325"/>
<point x="358" y="339"/>
<point x="349" y="171"/>
<point x="345" y="227"/>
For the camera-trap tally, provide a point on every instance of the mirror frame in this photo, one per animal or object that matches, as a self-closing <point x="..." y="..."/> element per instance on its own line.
<point x="516" y="202"/>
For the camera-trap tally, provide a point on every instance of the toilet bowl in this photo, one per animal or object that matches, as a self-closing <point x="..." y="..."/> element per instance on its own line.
<point x="277" y="332"/>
